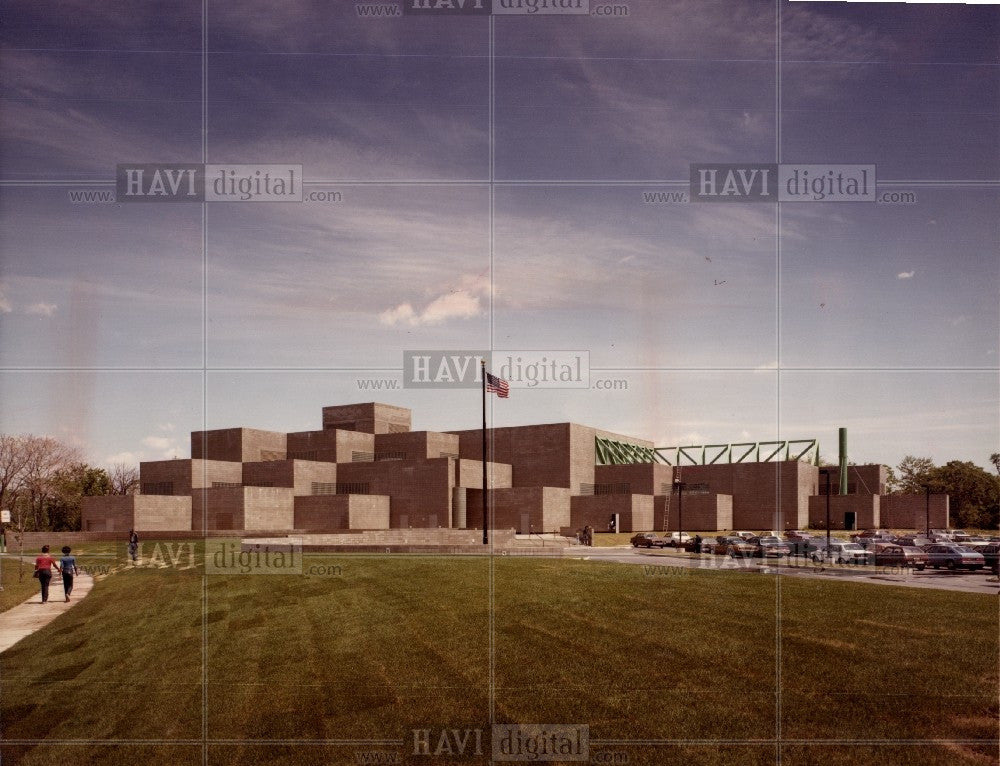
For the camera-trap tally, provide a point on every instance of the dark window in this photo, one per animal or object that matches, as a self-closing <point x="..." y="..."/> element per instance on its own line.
<point x="353" y="488"/>
<point x="158" y="488"/>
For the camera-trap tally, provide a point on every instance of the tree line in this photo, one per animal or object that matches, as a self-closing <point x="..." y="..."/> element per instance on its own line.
<point x="974" y="492"/>
<point x="43" y="482"/>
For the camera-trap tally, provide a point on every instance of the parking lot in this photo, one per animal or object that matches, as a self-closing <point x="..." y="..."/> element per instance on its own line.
<point x="797" y="566"/>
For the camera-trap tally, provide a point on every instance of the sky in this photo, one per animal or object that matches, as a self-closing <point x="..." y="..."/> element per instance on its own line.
<point x="492" y="179"/>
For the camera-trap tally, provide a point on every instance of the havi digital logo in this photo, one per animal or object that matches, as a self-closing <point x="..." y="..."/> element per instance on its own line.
<point x="724" y="182"/>
<point x="448" y="7"/>
<point x="770" y="182"/>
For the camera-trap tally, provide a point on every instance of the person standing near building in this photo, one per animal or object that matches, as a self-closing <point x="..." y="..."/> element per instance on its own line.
<point x="68" y="564"/>
<point x="43" y="571"/>
<point x="133" y="544"/>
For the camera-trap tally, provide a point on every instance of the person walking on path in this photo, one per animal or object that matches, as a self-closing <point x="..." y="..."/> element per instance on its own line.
<point x="68" y="564"/>
<point x="133" y="544"/>
<point x="43" y="571"/>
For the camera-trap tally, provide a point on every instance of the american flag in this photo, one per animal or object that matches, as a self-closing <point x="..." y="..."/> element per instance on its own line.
<point x="497" y="386"/>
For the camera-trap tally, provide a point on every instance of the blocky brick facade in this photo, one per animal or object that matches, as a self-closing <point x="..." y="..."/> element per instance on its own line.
<point x="861" y="479"/>
<point x="469" y="473"/>
<point x="701" y="513"/>
<point x="367" y="469"/>
<point x="305" y="477"/>
<point x="549" y="455"/>
<point x="765" y="495"/>
<point x="334" y="445"/>
<point x="243" y="508"/>
<point x="370" y="417"/>
<point x="866" y="510"/>
<point x="332" y="513"/>
<point x="415" y="445"/>
<point x="143" y="513"/>
<point x="638" y="478"/>
<point x="524" y="509"/>
<point x="238" y="445"/>
<point x="910" y="511"/>
<point x="179" y="477"/>
<point x="635" y="512"/>
<point x="421" y="490"/>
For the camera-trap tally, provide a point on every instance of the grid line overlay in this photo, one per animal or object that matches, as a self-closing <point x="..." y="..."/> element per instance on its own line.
<point x="492" y="182"/>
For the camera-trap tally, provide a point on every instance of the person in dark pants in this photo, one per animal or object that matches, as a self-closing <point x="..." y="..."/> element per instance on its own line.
<point x="697" y="543"/>
<point x="68" y="564"/>
<point x="133" y="544"/>
<point x="43" y="571"/>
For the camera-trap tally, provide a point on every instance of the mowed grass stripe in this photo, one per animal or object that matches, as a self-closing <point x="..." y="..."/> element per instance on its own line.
<point x="393" y="643"/>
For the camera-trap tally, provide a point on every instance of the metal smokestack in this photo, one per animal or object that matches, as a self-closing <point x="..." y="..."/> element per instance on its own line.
<point x="843" y="460"/>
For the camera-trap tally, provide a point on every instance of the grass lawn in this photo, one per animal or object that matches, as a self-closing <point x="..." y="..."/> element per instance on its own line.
<point x="389" y="644"/>
<point x="15" y="588"/>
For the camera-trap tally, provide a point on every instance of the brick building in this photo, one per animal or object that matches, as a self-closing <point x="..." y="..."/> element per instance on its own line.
<point x="365" y="469"/>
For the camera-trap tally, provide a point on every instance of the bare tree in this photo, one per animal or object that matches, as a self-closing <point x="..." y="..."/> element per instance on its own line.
<point x="12" y="460"/>
<point x="124" y="479"/>
<point x="43" y="457"/>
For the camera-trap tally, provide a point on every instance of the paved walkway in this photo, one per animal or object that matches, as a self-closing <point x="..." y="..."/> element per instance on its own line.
<point x="26" y="618"/>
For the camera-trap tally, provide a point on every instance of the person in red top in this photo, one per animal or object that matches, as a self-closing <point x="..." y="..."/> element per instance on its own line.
<point x="43" y="571"/>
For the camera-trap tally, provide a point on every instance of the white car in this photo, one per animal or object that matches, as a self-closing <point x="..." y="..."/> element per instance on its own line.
<point x="841" y="552"/>
<point x="745" y="535"/>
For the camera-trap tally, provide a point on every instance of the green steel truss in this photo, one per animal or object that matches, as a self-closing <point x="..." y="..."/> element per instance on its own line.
<point x="611" y="452"/>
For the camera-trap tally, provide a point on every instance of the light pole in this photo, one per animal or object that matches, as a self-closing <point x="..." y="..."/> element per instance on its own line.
<point x="927" y="509"/>
<point x="680" y="511"/>
<point x="826" y="472"/>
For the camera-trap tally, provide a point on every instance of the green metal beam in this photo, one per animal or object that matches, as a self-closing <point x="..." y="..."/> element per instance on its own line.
<point x="611" y="452"/>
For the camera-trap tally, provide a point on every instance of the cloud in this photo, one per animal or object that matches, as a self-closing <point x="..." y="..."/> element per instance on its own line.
<point x="165" y="446"/>
<point x="41" y="309"/>
<point x="129" y="458"/>
<point x="166" y="427"/>
<point x="464" y="300"/>
<point x="905" y="275"/>
<point x="157" y="442"/>
<point x="5" y="307"/>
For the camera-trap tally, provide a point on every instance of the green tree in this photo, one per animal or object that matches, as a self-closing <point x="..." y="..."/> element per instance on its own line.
<point x="891" y="480"/>
<point x="69" y="487"/>
<point x="914" y="473"/>
<point x="974" y="493"/>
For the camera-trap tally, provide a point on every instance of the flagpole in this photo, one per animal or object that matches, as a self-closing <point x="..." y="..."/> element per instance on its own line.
<point x="486" y="534"/>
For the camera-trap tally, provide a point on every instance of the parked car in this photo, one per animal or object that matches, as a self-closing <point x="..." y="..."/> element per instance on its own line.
<point x="991" y="556"/>
<point x="799" y="541"/>
<point x="772" y="546"/>
<point x="677" y="539"/>
<point x="735" y="546"/>
<point x="912" y="541"/>
<point x="948" y="534"/>
<point x="869" y="536"/>
<point x="976" y="542"/>
<point x="745" y="535"/>
<point x="887" y="555"/>
<point x="842" y="553"/>
<point x="953" y="556"/>
<point x="648" y="540"/>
